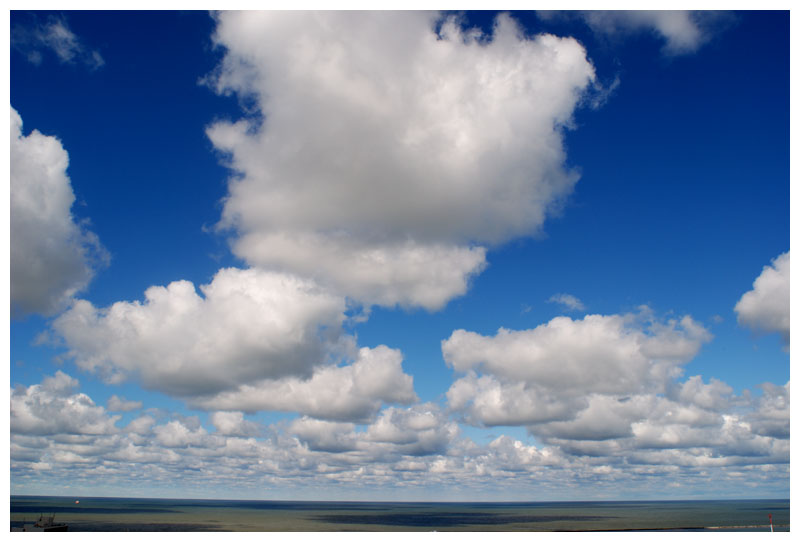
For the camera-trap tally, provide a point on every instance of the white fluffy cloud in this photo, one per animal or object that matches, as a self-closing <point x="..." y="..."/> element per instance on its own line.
<point x="552" y="372"/>
<point x="254" y="340"/>
<point x="392" y="154"/>
<point x="607" y="387"/>
<point x="350" y="392"/>
<point x="177" y="434"/>
<point x="695" y="425"/>
<point x="546" y="372"/>
<point x="420" y="430"/>
<point x="766" y="307"/>
<point x="52" y="408"/>
<point x="52" y="257"/>
<point x="234" y="424"/>
<point x="247" y="325"/>
<point x="383" y="273"/>
<point x="771" y="416"/>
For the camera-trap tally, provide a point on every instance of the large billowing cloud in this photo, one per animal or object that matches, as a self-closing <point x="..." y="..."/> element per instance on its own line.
<point x="254" y="340"/>
<point x="387" y="156"/>
<point x="247" y="325"/>
<point x="52" y="257"/>
<point x="765" y="308"/>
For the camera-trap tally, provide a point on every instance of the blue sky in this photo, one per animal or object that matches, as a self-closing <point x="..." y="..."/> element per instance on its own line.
<point x="459" y="256"/>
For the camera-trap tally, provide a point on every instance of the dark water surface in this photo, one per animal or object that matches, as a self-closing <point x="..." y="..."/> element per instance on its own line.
<point x="115" y="514"/>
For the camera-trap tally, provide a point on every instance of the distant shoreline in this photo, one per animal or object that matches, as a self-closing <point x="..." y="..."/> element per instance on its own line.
<point x="411" y="502"/>
<point x="170" y="515"/>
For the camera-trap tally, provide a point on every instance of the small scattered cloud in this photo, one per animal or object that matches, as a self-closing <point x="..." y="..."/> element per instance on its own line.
<point x="570" y="302"/>
<point x="765" y="308"/>
<point x="54" y="36"/>
<point x="683" y="32"/>
<point x="120" y="404"/>
<point x="679" y="29"/>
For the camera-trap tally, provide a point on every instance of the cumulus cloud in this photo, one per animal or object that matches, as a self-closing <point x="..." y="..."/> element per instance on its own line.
<point x="712" y="396"/>
<point x="566" y="367"/>
<point x="254" y="340"/>
<point x="608" y="387"/>
<point x="325" y="436"/>
<point x="178" y="434"/>
<point x="120" y="404"/>
<point x="234" y="424"/>
<point x="247" y="325"/>
<point x="52" y="256"/>
<point x="419" y="430"/>
<point x="393" y="154"/>
<point x="770" y="417"/>
<point x="382" y="273"/>
<point x="548" y="371"/>
<point x="52" y="408"/>
<point x="141" y="425"/>
<point x="713" y="428"/>
<point x="353" y="392"/>
<point x="765" y="308"/>
<point x="569" y="302"/>
<point x="55" y="36"/>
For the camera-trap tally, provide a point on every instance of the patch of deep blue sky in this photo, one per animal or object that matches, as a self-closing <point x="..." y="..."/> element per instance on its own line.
<point x="683" y="196"/>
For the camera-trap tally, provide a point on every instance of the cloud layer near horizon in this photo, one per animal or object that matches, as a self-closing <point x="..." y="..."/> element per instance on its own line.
<point x="387" y="156"/>
<point x="711" y="439"/>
